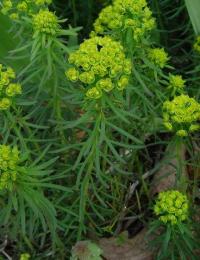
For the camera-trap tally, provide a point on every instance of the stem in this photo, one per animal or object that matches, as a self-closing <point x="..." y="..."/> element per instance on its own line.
<point x="57" y="102"/>
<point x="86" y="180"/>
<point x="74" y="13"/>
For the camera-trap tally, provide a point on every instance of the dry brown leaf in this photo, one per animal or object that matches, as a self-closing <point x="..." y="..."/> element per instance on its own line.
<point x="118" y="248"/>
<point x="80" y="135"/>
<point x="131" y="249"/>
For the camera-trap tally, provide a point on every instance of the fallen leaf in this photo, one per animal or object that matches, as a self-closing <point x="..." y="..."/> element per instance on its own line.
<point x="130" y="249"/>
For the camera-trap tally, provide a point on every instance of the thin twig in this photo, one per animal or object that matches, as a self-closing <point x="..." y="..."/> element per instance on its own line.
<point x="6" y="255"/>
<point x="3" y="246"/>
<point x="128" y="197"/>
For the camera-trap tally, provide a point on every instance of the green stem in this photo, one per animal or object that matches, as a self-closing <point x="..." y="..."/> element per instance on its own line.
<point x="74" y="13"/>
<point x="84" y="195"/>
<point x="57" y="104"/>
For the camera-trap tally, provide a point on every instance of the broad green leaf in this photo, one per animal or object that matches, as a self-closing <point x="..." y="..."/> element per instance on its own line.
<point x="193" y="7"/>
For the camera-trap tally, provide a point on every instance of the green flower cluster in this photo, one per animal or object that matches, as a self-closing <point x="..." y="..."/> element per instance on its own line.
<point x="42" y="2"/>
<point x="124" y="14"/>
<point x="25" y="256"/>
<point x="197" y="44"/>
<point x="45" y="22"/>
<point x="6" y="6"/>
<point x="158" y="56"/>
<point x="181" y="115"/>
<point x="15" y="8"/>
<point x="100" y="62"/>
<point x="171" y="207"/>
<point x="9" y="159"/>
<point x="8" y="89"/>
<point x="176" y="84"/>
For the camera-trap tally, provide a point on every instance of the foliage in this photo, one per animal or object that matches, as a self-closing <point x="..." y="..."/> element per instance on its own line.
<point x="81" y="118"/>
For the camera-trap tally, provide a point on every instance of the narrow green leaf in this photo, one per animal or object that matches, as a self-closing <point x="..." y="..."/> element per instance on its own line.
<point x="167" y="239"/>
<point x="193" y="7"/>
<point x="123" y="132"/>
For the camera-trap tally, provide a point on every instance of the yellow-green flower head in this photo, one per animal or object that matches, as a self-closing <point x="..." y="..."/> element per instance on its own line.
<point x="182" y="133"/>
<point x="94" y="93"/>
<point x="101" y="65"/>
<point x="16" y="8"/>
<point x="43" y="2"/>
<point x="105" y="84"/>
<point x="87" y="77"/>
<point x="46" y="22"/>
<point x="6" y="6"/>
<point x="7" y="3"/>
<point x="123" y="82"/>
<point x="14" y="16"/>
<point x="9" y="160"/>
<point x="123" y="14"/>
<point x="22" y="6"/>
<point x="181" y="115"/>
<point x="13" y="89"/>
<point x="72" y="74"/>
<point x="168" y="125"/>
<point x="158" y="56"/>
<point x="5" y="103"/>
<point x="8" y="89"/>
<point x="197" y="44"/>
<point x="194" y="127"/>
<point x="25" y="256"/>
<point x="171" y="207"/>
<point x="176" y="84"/>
